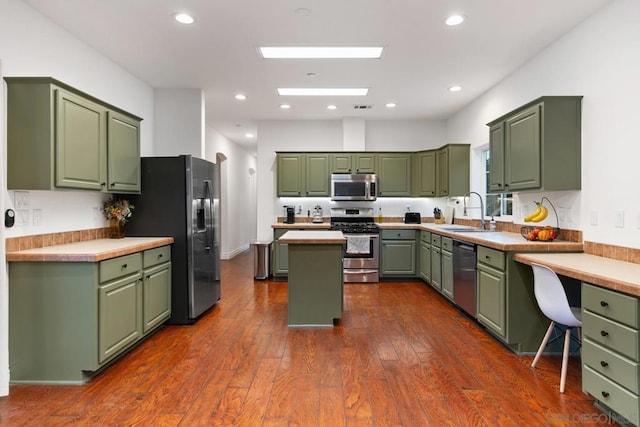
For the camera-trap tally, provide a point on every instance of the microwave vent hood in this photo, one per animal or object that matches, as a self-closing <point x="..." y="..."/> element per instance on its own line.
<point x="353" y="187"/>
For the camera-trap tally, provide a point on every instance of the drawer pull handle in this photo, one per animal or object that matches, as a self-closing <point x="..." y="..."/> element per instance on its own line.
<point x="159" y="256"/>
<point x="124" y="266"/>
<point x="604" y="333"/>
<point x="603" y="304"/>
<point x="603" y="364"/>
<point x="487" y="257"/>
<point x="605" y="394"/>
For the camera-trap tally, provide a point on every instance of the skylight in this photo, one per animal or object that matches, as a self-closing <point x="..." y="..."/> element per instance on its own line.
<point x="321" y="52"/>
<point x="316" y="91"/>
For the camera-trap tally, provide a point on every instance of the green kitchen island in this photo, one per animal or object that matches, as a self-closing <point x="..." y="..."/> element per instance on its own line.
<point x="315" y="287"/>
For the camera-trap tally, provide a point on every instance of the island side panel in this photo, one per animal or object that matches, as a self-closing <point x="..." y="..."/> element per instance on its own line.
<point x="315" y="284"/>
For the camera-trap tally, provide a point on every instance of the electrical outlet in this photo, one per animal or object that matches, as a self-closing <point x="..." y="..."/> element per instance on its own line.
<point x="619" y="219"/>
<point x="22" y="217"/>
<point x="37" y="217"/>
<point x="21" y="199"/>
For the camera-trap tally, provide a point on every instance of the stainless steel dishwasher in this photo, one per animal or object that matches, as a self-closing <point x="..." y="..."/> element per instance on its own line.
<point x="464" y="276"/>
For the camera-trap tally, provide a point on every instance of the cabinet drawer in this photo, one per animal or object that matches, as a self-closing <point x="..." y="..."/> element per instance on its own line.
<point x="613" y="305"/>
<point x="491" y="257"/>
<point x="398" y="234"/>
<point x="613" y="335"/>
<point x="447" y="244"/>
<point x="156" y="256"/>
<point x="617" y="368"/>
<point x="436" y="240"/>
<point x="121" y="266"/>
<point x="611" y="394"/>
<point x="425" y="236"/>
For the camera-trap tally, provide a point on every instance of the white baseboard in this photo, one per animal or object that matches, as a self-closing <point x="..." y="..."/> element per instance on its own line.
<point x="238" y="251"/>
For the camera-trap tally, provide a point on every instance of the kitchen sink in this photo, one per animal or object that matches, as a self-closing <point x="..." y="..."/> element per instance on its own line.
<point x="463" y="229"/>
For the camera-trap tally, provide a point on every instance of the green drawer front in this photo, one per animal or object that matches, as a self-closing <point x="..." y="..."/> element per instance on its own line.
<point x="398" y="234"/>
<point x="615" y="336"/>
<point x="491" y="257"/>
<point x="613" y="305"/>
<point x="436" y="240"/>
<point x="611" y="394"/>
<point x="617" y="368"/>
<point x="447" y="244"/>
<point x="156" y="256"/>
<point x="425" y="236"/>
<point x="121" y="266"/>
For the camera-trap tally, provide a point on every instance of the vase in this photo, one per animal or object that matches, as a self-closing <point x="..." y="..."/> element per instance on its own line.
<point x="116" y="229"/>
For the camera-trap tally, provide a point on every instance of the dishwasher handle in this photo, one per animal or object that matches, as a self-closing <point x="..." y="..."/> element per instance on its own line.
<point x="464" y="246"/>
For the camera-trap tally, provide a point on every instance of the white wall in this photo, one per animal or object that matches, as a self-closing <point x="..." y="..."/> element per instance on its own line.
<point x="406" y="135"/>
<point x="179" y="122"/>
<point x="600" y="60"/>
<point x="238" y="193"/>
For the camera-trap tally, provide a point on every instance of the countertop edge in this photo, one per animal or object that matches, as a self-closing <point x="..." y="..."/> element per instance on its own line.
<point x="36" y="255"/>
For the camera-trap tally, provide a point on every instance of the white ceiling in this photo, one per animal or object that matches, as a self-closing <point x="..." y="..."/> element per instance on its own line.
<point x="218" y="53"/>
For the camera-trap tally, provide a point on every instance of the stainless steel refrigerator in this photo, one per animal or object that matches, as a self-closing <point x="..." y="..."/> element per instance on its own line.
<point x="180" y="198"/>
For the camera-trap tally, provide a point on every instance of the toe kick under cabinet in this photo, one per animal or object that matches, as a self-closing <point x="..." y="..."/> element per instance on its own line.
<point x="68" y="320"/>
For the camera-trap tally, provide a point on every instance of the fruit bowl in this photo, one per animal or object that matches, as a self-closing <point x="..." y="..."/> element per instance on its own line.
<point x="539" y="234"/>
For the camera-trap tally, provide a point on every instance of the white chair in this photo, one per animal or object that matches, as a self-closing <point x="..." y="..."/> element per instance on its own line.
<point x="553" y="302"/>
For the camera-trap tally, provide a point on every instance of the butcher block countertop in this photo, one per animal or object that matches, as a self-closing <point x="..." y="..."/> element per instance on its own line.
<point x="312" y="237"/>
<point x="500" y="240"/>
<point x="605" y="272"/>
<point x="90" y="250"/>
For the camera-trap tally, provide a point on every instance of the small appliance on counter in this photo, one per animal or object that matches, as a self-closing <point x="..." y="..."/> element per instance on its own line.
<point x="317" y="214"/>
<point x="289" y="215"/>
<point x="412" y="218"/>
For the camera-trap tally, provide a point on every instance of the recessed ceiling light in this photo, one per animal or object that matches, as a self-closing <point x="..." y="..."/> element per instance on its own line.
<point x="285" y="106"/>
<point x="241" y="97"/>
<point x="390" y="105"/>
<point x="455" y="88"/>
<point x="321" y="52"/>
<point x="183" y="18"/>
<point x="316" y="91"/>
<point x="454" y="20"/>
<point x="248" y="135"/>
<point x="332" y="107"/>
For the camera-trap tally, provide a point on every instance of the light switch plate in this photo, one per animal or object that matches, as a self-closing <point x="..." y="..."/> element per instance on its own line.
<point x="619" y="219"/>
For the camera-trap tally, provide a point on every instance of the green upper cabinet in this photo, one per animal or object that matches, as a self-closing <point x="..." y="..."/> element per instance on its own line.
<point x="541" y="146"/>
<point x="303" y="174"/>
<point x="58" y="137"/>
<point x="496" y="159"/>
<point x="353" y="162"/>
<point x="394" y="175"/>
<point x="423" y="169"/>
<point x="452" y="170"/>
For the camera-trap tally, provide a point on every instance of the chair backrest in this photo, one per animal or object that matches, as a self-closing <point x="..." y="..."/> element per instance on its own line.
<point x="551" y="296"/>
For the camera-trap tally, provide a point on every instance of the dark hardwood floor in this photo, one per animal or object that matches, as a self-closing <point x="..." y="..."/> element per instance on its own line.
<point x="401" y="356"/>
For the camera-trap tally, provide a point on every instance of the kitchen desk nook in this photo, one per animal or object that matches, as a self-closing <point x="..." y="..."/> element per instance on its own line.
<point x="315" y="283"/>
<point x="74" y="308"/>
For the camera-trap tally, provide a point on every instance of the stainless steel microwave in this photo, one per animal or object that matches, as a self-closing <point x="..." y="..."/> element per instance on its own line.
<point x="357" y="187"/>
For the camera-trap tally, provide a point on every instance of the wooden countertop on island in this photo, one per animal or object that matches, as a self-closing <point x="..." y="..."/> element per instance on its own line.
<point x="89" y="250"/>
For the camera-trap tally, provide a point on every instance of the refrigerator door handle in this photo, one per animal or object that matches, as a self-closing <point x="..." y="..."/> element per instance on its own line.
<point x="208" y="215"/>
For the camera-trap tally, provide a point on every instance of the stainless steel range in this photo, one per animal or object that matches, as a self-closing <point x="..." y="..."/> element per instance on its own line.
<point x="361" y="253"/>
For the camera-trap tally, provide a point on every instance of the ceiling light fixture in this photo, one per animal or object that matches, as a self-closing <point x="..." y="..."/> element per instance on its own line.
<point x="285" y="106"/>
<point x="183" y="18"/>
<point x="241" y="97"/>
<point x="332" y="107"/>
<point x="316" y="91"/>
<point x="454" y="20"/>
<point x="321" y="52"/>
<point x="455" y="88"/>
<point x="248" y="135"/>
<point x="390" y="105"/>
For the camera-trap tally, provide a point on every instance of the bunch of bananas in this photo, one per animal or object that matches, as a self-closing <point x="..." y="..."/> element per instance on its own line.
<point x="538" y="215"/>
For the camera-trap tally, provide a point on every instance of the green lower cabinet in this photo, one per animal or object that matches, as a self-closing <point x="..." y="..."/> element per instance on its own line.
<point x="436" y="261"/>
<point x="447" y="273"/>
<point x="491" y="294"/>
<point x="611" y="351"/>
<point x="398" y="253"/>
<point x="425" y="261"/>
<point x="70" y="319"/>
<point x="280" y="261"/>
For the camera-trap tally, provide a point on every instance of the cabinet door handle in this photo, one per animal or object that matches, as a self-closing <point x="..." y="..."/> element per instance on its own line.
<point x="603" y="304"/>
<point x="603" y="364"/>
<point x="159" y="256"/>
<point x="605" y="394"/>
<point x="102" y="184"/>
<point x="148" y="277"/>
<point x="604" y="333"/>
<point x="113" y="184"/>
<point x="487" y="257"/>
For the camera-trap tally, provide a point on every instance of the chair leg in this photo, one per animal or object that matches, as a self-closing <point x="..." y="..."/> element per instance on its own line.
<point x="565" y="359"/>
<point x="545" y="340"/>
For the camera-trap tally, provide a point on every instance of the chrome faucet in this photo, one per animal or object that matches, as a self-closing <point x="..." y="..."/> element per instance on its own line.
<point x="464" y="203"/>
